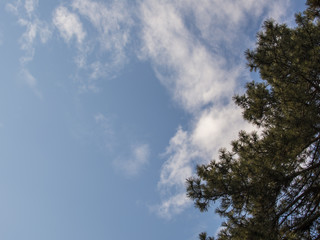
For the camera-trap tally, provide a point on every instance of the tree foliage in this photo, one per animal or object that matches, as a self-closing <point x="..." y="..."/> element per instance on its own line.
<point x="268" y="185"/>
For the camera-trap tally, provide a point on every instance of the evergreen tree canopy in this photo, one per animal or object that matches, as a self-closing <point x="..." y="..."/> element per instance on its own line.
<point x="268" y="185"/>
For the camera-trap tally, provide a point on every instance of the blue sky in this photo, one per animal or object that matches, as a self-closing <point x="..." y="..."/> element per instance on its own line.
<point x="107" y="106"/>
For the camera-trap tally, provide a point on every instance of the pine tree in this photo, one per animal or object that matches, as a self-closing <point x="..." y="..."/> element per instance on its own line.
<point x="268" y="185"/>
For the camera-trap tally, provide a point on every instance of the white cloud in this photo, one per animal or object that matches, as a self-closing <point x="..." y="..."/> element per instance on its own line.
<point x="202" y="71"/>
<point x="214" y="128"/>
<point x="68" y="24"/>
<point x="193" y="74"/>
<point x="133" y="164"/>
<point x="177" y="168"/>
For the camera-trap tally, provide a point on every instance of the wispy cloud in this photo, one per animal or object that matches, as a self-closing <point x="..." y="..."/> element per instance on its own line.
<point x="13" y="7"/>
<point x="35" y="29"/>
<point x="30" y="6"/>
<point x="103" y="52"/>
<point x="106" y="46"/>
<point x="104" y="123"/>
<point x="131" y="159"/>
<point x="112" y="21"/>
<point x="30" y="81"/>
<point x="27" y="39"/>
<point x="202" y="71"/>
<point x="68" y="24"/>
<point x="173" y="205"/>
<point x="221" y="23"/>
<point x="133" y="164"/>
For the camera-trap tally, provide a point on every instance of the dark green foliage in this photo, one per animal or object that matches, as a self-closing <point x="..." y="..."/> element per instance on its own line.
<point x="203" y="236"/>
<point x="268" y="185"/>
